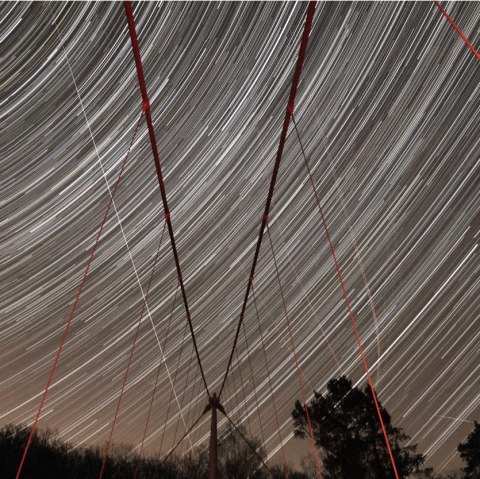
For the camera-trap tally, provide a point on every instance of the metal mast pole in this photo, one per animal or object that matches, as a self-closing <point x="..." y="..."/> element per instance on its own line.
<point x="213" y="451"/>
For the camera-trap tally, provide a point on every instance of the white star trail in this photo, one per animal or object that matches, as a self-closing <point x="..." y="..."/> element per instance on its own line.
<point x="387" y="109"/>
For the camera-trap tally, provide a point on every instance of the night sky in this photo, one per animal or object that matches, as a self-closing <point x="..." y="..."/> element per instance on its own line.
<point x="388" y="111"/>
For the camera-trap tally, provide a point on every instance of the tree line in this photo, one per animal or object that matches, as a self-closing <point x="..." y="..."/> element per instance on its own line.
<point x="345" y="428"/>
<point x="50" y="457"/>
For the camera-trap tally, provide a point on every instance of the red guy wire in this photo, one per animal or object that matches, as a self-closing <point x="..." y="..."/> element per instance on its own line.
<point x="286" y="122"/>
<point x="132" y="351"/>
<point x="254" y="386"/>
<point x="243" y="393"/>
<point x="305" y="294"/>
<point x="457" y="29"/>
<point x="350" y="313"/>
<point x="171" y="393"/>
<point x="153" y="142"/>
<point x="174" y="381"/>
<point x="270" y="383"/>
<point x="182" y="400"/>
<point x="297" y="364"/>
<point x="156" y="381"/>
<point x="358" y="254"/>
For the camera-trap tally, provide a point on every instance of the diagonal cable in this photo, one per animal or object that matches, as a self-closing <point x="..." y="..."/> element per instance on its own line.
<point x="349" y="310"/>
<point x="262" y="342"/>
<point x="252" y="448"/>
<point x="132" y="351"/>
<point x="174" y="381"/>
<point x="297" y="363"/>
<point x="156" y="382"/>
<point x="153" y="142"/>
<point x="283" y="136"/>
<point x="184" y="436"/>
<point x="457" y="29"/>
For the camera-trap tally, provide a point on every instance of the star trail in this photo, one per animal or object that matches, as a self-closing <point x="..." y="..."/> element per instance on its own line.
<point x="387" y="111"/>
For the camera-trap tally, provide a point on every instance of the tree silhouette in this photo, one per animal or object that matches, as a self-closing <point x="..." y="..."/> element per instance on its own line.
<point x="347" y="430"/>
<point x="236" y="459"/>
<point x="470" y="453"/>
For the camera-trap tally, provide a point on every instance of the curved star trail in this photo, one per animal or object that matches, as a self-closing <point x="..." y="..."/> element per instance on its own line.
<point x="387" y="108"/>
